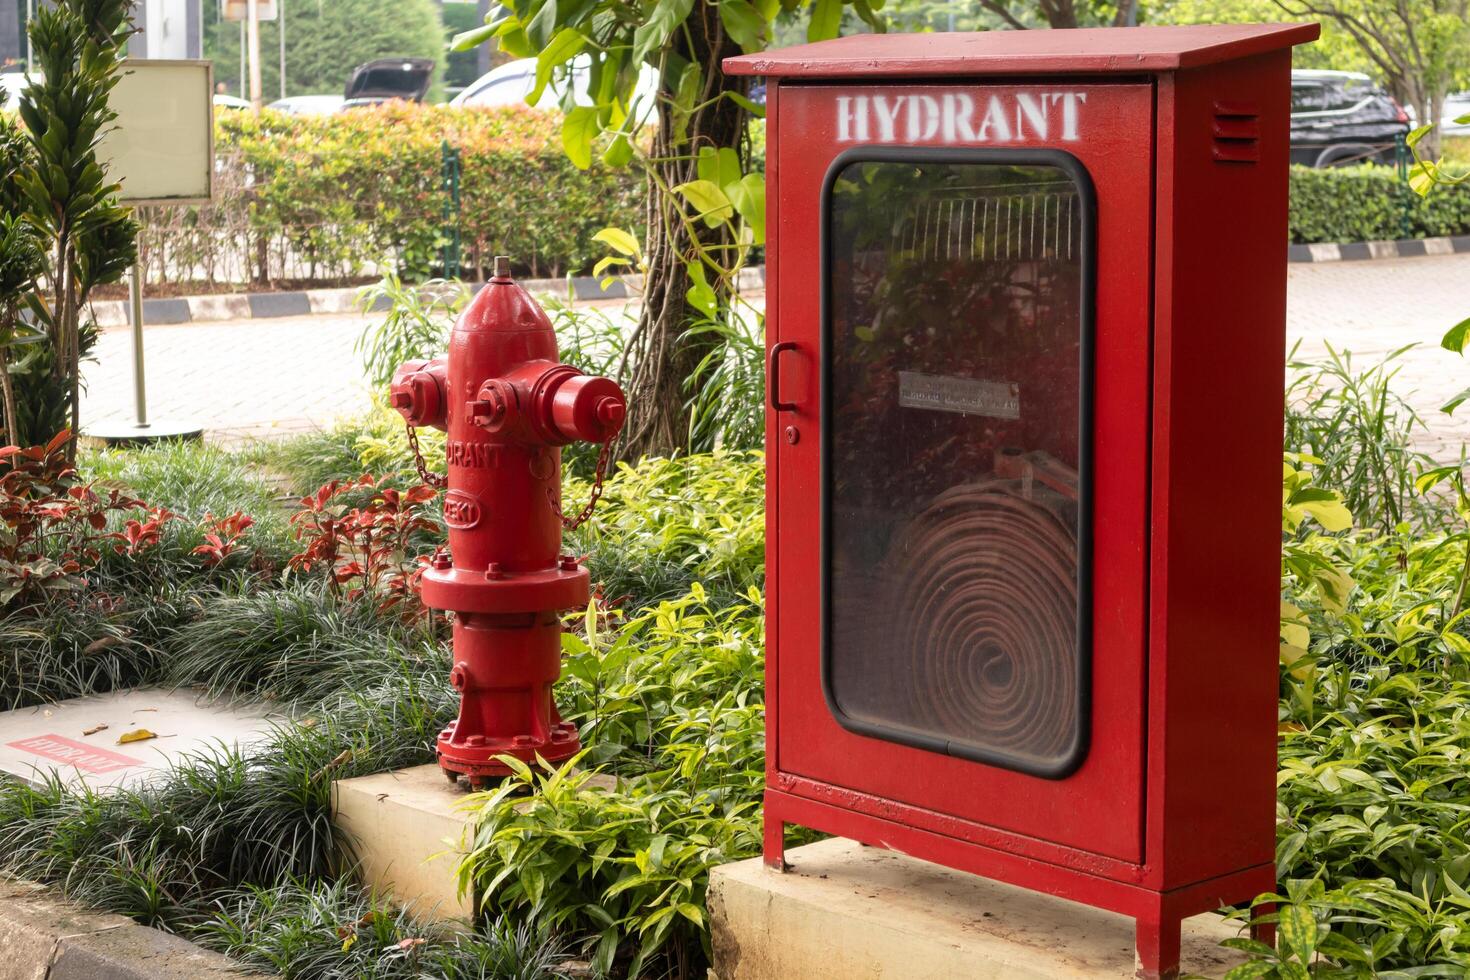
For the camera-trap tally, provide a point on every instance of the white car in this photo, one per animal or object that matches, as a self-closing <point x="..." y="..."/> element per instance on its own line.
<point x="1456" y="106"/>
<point x="513" y="82"/>
<point x="308" y="105"/>
<point x="231" y="102"/>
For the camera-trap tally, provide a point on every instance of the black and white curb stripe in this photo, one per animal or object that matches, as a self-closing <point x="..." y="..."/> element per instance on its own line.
<point x="1354" y="251"/>
<point x="249" y="306"/>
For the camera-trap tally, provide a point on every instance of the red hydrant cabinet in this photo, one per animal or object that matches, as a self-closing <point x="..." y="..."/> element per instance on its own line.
<point x="1025" y="315"/>
<point x="508" y="406"/>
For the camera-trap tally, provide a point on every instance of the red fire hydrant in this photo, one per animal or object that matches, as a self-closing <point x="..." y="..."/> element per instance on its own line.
<point x="508" y="407"/>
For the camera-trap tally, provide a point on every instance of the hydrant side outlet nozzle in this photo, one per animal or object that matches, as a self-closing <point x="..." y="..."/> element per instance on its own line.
<point x="507" y="405"/>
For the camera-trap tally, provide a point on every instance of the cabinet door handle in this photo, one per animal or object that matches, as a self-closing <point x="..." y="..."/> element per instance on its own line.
<point x="773" y="375"/>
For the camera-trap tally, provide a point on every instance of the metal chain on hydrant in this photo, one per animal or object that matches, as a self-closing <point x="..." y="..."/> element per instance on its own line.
<point x="583" y="515"/>
<point x="431" y="479"/>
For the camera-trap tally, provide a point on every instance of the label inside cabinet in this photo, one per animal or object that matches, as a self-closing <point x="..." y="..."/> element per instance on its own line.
<point x="966" y="396"/>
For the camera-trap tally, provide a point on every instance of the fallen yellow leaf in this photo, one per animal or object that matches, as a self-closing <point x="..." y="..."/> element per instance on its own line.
<point x="137" y="735"/>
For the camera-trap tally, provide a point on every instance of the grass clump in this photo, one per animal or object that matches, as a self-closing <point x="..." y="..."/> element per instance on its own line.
<point x="337" y="931"/>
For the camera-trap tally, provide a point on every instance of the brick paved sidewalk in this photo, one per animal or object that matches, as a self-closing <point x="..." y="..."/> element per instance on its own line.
<point x="272" y="377"/>
<point x="1374" y="308"/>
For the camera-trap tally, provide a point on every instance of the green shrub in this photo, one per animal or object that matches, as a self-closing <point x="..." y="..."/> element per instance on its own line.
<point x="671" y="705"/>
<point x="335" y="196"/>
<point x="1362" y="434"/>
<point x="1370" y="203"/>
<point x="667" y="524"/>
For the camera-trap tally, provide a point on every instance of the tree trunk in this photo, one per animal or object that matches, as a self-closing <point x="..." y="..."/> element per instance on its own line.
<point x="7" y="387"/>
<point x="659" y="358"/>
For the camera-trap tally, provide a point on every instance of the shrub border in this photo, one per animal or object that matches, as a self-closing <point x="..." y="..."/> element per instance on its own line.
<point x="111" y="314"/>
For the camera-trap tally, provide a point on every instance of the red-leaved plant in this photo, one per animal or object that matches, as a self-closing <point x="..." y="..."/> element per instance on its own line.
<point x="222" y="536"/>
<point x="365" y="548"/>
<point x="140" y="534"/>
<point x="53" y="529"/>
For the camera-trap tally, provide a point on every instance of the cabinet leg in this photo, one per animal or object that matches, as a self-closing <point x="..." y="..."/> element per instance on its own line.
<point x="1157" y="941"/>
<point x="1263" y="932"/>
<point x="774" y="842"/>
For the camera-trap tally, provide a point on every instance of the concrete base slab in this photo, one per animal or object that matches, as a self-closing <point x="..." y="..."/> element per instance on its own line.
<point x="844" y="910"/>
<point x="409" y="829"/>
<point x="131" y="434"/>
<point x="78" y="739"/>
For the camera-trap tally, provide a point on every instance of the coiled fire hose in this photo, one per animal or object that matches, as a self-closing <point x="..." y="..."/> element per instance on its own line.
<point x="986" y="617"/>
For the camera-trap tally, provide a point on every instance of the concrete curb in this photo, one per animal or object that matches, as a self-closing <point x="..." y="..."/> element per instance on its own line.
<point x="1357" y="251"/>
<point x="248" y="306"/>
<point x="43" y="936"/>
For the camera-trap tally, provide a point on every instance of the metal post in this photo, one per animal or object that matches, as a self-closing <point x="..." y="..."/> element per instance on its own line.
<point x="281" y="30"/>
<point x="30" y="48"/>
<point x="252" y="34"/>
<point x="140" y="389"/>
<point x="243" y="71"/>
<point x="1401" y="159"/>
<point x="449" y="184"/>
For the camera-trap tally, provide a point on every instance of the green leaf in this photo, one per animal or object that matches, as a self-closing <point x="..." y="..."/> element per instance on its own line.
<point x="1418" y="134"/>
<point x="700" y="294"/>
<point x="708" y="201"/>
<point x="618" y="240"/>
<point x="606" y="262"/>
<point x="758" y="111"/>
<point x="567" y="44"/>
<point x="577" y="131"/>
<point x="1431" y="478"/>
<point x="826" y="20"/>
<point x="1449" y="407"/>
<point x="1298" y="927"/>
<point x="619" y="152"/>
<point x="749" y="198"/>
<point x="473" y="38"/>
<point x="652" y="34"/>
<point x="541" y="24"/>
<point x="1422" y="177"/>
<point x="1250" y="971"/>
<point x="720" y="167"/>
<point x="1457" y="337"/>
<point x="744" y="23"/>
<point x="1292" y="971"/>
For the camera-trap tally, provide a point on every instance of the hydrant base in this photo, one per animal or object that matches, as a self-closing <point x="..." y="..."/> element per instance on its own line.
<point x="482" y="759"/>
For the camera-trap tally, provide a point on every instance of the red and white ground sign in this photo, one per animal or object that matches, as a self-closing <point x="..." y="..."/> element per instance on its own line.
<point x="87" y="758"/>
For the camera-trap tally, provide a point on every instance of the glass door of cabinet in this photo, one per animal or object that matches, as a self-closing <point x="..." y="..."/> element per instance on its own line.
<point x="956" y="331"/>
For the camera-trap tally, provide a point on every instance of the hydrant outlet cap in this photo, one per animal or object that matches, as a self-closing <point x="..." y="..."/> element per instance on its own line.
<point x="588" y="409"/>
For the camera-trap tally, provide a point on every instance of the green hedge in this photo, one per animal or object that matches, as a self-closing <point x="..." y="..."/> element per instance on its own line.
<point x="314" y="199"/>
<point x="1370" y="203"/>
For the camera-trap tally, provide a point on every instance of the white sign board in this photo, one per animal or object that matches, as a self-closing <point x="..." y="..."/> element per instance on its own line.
<point x="161" y="148"/>
<point x="84" y="739"/>
<point x="240" y="9"/>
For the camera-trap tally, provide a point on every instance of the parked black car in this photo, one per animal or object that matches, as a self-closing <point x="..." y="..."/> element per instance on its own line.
<point x="387" y="79"/>
<point x="1340" y="118"/>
